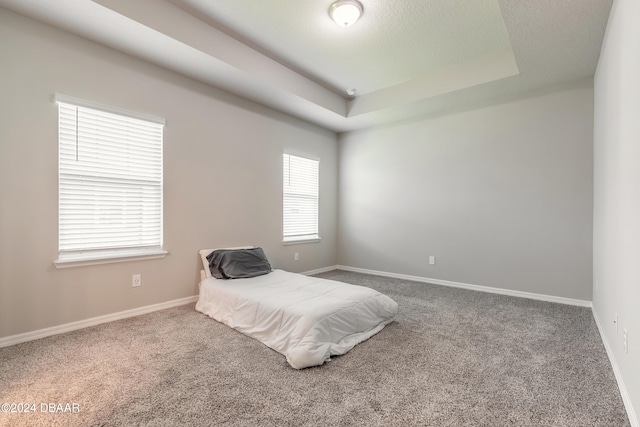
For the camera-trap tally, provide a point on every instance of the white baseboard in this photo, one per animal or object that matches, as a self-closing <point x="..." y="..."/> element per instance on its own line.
<point x="631" y="413"/>
<point x="54" y="330"/>
<point x="320" y="270"/>
<point x="520" y="294"/>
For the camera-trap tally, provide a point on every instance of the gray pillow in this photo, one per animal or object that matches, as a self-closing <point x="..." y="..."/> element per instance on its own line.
<point x="238" y="263"/>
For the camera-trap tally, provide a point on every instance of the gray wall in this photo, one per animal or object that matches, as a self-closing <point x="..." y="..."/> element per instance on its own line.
<point x="222" y="172"/>
<point x="616" y="231"/>
<point x="501" y="196"/>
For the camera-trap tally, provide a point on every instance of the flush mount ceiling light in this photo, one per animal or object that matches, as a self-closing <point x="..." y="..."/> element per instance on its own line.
<point x="345" y="12"/>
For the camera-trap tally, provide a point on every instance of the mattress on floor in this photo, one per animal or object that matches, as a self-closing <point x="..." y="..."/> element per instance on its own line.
<point x="307" y="319"/>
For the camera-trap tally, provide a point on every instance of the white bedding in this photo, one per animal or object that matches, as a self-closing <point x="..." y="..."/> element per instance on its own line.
<point x="307" y="319"/>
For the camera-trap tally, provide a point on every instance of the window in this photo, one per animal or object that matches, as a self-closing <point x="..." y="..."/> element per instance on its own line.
<point x="300" y="199"/>
<point x="110" y="183"/>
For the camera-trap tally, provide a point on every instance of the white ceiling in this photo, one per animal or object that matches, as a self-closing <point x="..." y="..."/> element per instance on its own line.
<point x="406" y="58"/>
<point x="386" y="47"/>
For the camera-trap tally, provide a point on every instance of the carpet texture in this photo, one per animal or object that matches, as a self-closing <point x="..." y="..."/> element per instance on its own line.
<point x="453" y="357"/>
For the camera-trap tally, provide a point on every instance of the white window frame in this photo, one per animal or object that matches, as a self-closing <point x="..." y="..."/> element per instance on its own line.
<point x="114" y="133"/>
<point x="303" y="191"/>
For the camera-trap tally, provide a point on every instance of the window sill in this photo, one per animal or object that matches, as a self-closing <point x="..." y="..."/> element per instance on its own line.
<point x="301" y="241"/>
<point x="76" y="260"/>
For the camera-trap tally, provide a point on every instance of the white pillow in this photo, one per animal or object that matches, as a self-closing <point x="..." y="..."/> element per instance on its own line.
<point x="205" y="252"/>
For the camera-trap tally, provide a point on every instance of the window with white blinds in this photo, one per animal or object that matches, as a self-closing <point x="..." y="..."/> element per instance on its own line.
<point x="300" y="198"/>
<point x="110" y="182"/>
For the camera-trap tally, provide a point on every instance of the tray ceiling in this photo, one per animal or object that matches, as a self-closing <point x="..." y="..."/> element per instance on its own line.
<point x="405" y="59"/>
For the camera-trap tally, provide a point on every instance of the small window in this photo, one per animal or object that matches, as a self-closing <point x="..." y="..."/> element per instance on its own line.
<point x="300" y="199"/>
<point x="110" y="182"/>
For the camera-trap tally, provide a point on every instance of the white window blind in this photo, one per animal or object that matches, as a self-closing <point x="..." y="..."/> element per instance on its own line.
<point x="110" y="181"/>
<point x="300" y="198"/>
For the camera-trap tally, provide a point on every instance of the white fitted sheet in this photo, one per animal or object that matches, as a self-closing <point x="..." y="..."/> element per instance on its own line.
<point x="307" y="319"/>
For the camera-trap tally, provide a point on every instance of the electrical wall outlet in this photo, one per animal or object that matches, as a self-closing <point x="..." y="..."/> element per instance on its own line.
<point x="625" y="341"/>
<point x="432" y="260"/>
<point x="136" y="280"/>
<point x="296" y="256"/>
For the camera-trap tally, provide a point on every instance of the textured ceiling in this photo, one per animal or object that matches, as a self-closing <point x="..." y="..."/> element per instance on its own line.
<point x="406" y="58"/>
<point x="386" y="47"/>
